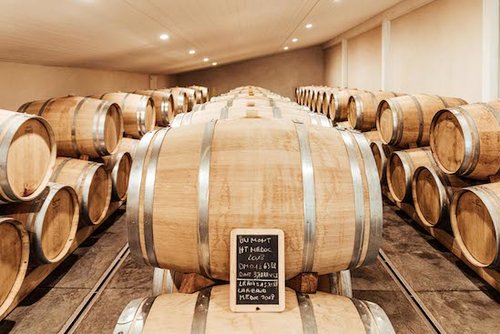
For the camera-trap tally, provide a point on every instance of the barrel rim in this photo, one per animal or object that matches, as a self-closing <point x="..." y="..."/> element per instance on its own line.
<point x="23" y="268"/>
<point x="103" y="145"/>
<point x="407" y="170"/>
<point x="443" y="203"/>
<point x="358" y="104"/>
<point x="87" y="182"/>
<point x="114" y="173"/>
<point x="395" y="121"/>
<point x="133" y="317"/>
<point x="480" y="192"/>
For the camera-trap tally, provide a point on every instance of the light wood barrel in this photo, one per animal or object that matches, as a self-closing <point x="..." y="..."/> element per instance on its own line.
<point x="301" y="177"/>
<point x="475" y="220"/>
<point x="318" y="107"/>
<point x="92" y="184"/>
<point x="371" y="135"/>
<point x="466" y="140"/>
<point x="139" y="116"/>
<point x="432" y="191"/>
<point x="164" y="105"/>
<point x="118" y="166"/>
<point x="405" y="120"/>
<point x="205" y="93"/>
<point x="181" y="100"/>
<point x="82" y="125"/>
<point x="190" y="93"/>
<point x="14" y="257"/>
<point x="128" y="145"/>
<point x="205" y="116"/>
<point x="338" y="104"/>
<point x="400" y="168"/>
<point x="51" y="222"/>
<point x="381" y="153"/>
<point x="362" y="109"/>
<point x="198" y="94"/>
<point x="27" y="156"/>
<point x="314" y="313"/>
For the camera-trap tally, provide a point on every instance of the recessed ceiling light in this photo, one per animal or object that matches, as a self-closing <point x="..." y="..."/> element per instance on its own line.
<point x="214" y="63"/>
<point x="309" y="26"/>
<point x="336" y="0"/>
<point x="205" y="59"/>
<point x="192" y="52"/>
<point x="295" y="40"/>
<point x="164" y="37"/>
<point x="285" y="48"/>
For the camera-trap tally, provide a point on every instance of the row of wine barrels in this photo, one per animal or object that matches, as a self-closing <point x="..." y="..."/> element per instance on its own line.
<point x="432" y="192"/>
<point x="82" y="125"/>
<point x="163" y="104"/>
<point x="118" y="166"/>
<point x="178" y="313"/>
<point x="180" y="99"/>
<point x="205" y="92"/>
<point x="400" y="169"/>
<point x="381" y="153"/>
<point x="14" y="258"/>
<point x="139" y="116"/>
<point x="406" y="120"/>
<point x="51" y="221"/>
<point x="190" y="93"/>
<point x="465" y="140"/>
<point x="475" y="220"/>
<point x="362" y="109"/>
<point x="169" y="281"/>
<point x="204" y="173"/>
<point x="339" y="104"/>
<point x="206" y="116"/>
<point x="92" y="184"/>
<point x="27" y="156"/>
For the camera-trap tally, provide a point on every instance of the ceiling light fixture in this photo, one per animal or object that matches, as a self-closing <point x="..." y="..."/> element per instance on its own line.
<point x="214" y="63"/>
<point x="205" y="59"/>
<point x="285" y="48"/>
<point x="192" y="52"/>
<point x="309" y="26"/>
<point x="295" y="40"/>
<point x="164" y="37"/>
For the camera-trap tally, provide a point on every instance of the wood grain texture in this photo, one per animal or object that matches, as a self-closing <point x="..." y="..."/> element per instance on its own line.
<point x="362" y="109"/>
<point x="164" y="105"/>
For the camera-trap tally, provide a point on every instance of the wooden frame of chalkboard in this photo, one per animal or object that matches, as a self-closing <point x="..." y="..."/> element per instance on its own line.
<point x="257" y="277"/>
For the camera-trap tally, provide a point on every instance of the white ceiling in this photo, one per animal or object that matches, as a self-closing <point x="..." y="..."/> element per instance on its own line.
<point x="124" y="34"/>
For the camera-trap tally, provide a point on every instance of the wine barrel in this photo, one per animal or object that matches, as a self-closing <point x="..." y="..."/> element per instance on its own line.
<point x="91" y="183"/>
<point x="181" y="100"/>
<point x="205" y="93"/>
<point x="128" y="145"/>
<point x="466" y="140"/>
<point x="27" y="156"/>
<point x="282" y="158"/>
<point x="362" y="109"/>
<point x="400" y="168"/>
<point x="371" y="135"/>
<point x="315" y="313"/>
<point x="432" y="191"/>
<point x="406" y="120"/>
<point x="138" y="112"/>
<point x="338" y="105"/>
<point x="206" y="116"/>
<point x="381" y="153"/>
<point x="190" y="93"/>
<point x="164" y="105"/>
<point x="318" y="107"/>
<point x="51" y="221"/>
<point x="118" y="166"/>
<point x="198" y="95"/>
<point x="475" y="220"/>
<point x="82" y="125"/>
<point x="14" y="256"/>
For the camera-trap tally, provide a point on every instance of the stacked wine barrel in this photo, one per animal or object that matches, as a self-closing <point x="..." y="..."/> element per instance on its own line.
<point x="252" y="159"/>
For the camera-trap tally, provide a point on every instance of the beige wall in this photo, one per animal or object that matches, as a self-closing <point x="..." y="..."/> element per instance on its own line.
<point x="434" y="49"/>
<point x="333" y="64"/>
<point x="20" y="83"/>
<point x="364" y="60"/>
<point x="280" y="73"/>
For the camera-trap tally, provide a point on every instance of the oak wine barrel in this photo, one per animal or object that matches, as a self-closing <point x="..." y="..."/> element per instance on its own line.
<point x="400" y="168"/>
<point x="338" y="104"/>
<point x="466" y="140"/>
<point x="178" y="313"/>
<point x="27" y="156"/>
<point x="475" y="220"/>
<point x="181" y="100"/>
<point x="190" y="93"/>
<point x="82" y="125"/>
<point x="138" y="112"/>
<point x="406" y="120"/>
<point x="362" y="109"/>
<point x="51" y="221"/>
<point x="14" y="257"/>
<point x="164" y="105"/>
<point x="371" y="135"/>
<point x="432" y="191"/>
<point x="118" y="166"/>
<point x="205" y="93"/>
<point x="92" y="184"/>
<point x="381" y="153"/>
<point x="128" y="145"/>
<point x="203" y="172"/>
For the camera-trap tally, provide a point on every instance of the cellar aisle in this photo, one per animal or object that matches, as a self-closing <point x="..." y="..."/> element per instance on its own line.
<point x="450" y="292"/>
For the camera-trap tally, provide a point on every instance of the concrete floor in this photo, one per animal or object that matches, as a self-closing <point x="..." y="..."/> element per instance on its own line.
<point x="459" y="300"/>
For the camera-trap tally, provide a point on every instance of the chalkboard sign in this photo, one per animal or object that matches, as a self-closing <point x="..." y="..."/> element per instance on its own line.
<point x="257" y="270"/>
